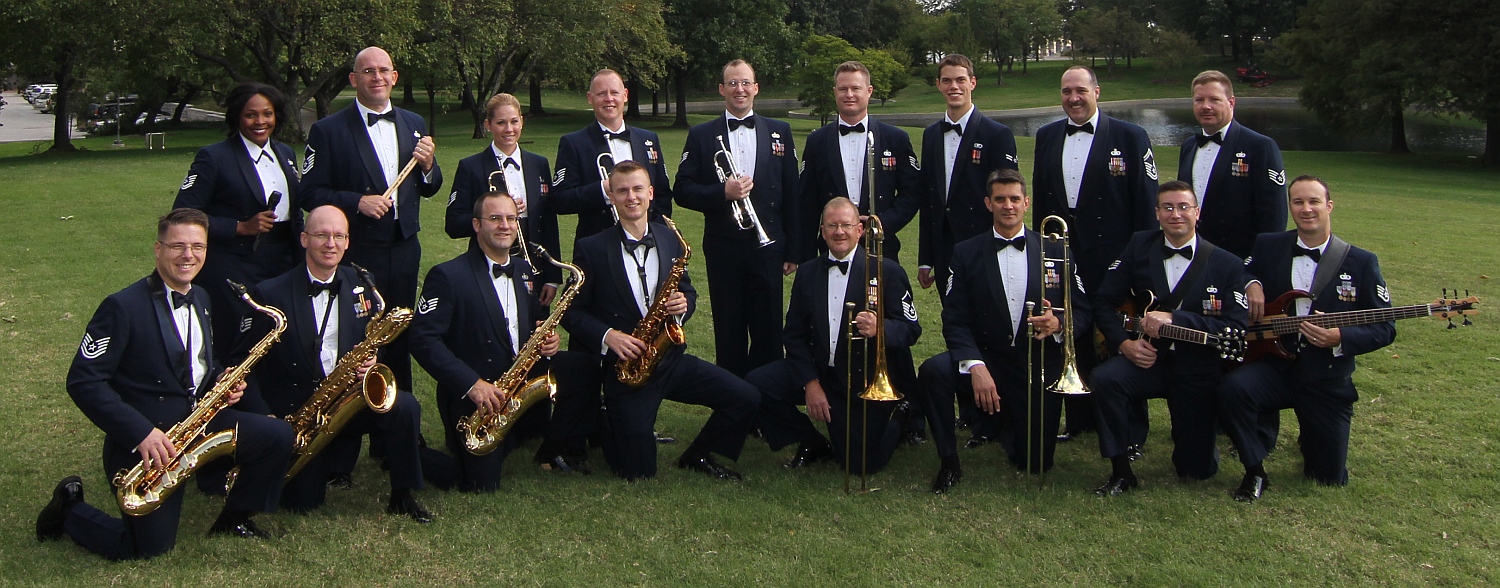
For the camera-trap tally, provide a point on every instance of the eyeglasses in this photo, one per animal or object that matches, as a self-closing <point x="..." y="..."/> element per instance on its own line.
<point x="323" y="237"/>
<point x="509" y="219"/>
<point x="179" y="248"/>
<point x="740" y="83"/>
<point x="1183" y="208"/>
<point x="846" y="227"/>
<point x="371" y="72"/>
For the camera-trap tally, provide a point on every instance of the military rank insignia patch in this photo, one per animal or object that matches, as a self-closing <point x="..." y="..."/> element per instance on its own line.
<point x="427" y="305"/>
<point x="908" y="309"/>
<point x="246" y="323"/>
<point x="92" y="348"/>
<point x="307" y="163"/>
<point x="562" y="173"/>
<point x="1382" y="292"/>
<point x="193" y="179"/>
<point x="1148" y="162"/>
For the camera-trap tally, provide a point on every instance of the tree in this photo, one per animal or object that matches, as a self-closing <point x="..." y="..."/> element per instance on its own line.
<point x="47" y="39"/>
<point x="1471" y="29"/>
<point x="1171" y="49"/>
<point x="1111" y="32"/>
<point x="822" y="54"/>
<point x="1361" y="63"/>
<point x="713" y="32"/>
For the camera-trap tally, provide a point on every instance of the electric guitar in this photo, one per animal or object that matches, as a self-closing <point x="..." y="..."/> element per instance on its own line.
<point x="1230" y="342"/>
<point x="1270" y="334"/>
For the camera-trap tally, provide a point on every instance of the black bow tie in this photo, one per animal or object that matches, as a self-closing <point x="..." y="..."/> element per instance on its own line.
<point x="747" y="122"/>
<point x="842" y="265"/>
<point x="180" y="300"/>
<point x="623" y="135"/>
<point x="946" y="126"/>
<point x="1087" y="127"/>
<point x="1216" y="138"/>
<point x="648" y="242"/>
<point x="846" y="129"/>
<point x="510" y="162"/>
<point x="372" y="118"/>
<point x="508" y="270"/>
<point x="1019" y="243"/>
<point x="1314" y="254"/>
<point x="1167" y="252"/>
<point x="315" y="287"/>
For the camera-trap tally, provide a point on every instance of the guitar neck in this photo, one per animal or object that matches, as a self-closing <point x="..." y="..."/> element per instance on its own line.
<point x="1184" y="334"/>
<point x="1286" y="325"/>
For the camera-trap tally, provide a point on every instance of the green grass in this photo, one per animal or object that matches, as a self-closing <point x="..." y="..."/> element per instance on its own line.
<point x="1420" y="507"/>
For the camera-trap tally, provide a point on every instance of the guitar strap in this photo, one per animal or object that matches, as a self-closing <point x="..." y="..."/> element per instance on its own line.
<point x="1328" y="266"/>
<point x="1195" y="269"/>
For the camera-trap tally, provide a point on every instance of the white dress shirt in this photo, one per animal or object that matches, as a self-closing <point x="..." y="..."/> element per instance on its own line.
<point x="515" y="180"/>
<point x="838" y="283"/>
<point x="1203" y="165"/>
<point x="1015" y="272"/>
<point x="951" y="142"/>
<point x="743" y="145"/>
<point x="328" y="326"/>
<point x="387" y="147"/>
<point x="505" y="291"/>
<point x="272" y="178"/>
<point x="191" y="334"/>
<point x="1075" y="157"/>
<point x="853" y="148"/>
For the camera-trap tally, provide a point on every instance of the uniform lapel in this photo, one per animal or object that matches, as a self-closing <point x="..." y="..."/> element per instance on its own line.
<point x="289" y="171"/>
<point x="991" y="262"/>
<point x="1034" y="256"/>
<point x="1158" y="268"/>
<point x="484" y="286"/>
<point x="361" y="138"/>
<point x="306" y="320"/>
<point x="349" y="332"/>
<point x="764" y="159"/>
<point x="171" y="341"/>
<point x="247" y="169"/>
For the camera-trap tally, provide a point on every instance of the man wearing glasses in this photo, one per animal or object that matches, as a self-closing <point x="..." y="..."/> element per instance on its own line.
<point x="1197" y="286"/>
<point x="327" y="308"/>
<point x="476" y="313"/>
<point x="744" y="273"/>
<point x="353" y="157"/>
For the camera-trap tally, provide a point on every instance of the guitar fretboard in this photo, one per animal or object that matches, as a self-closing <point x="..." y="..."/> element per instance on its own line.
<point x="1286" y="325"/>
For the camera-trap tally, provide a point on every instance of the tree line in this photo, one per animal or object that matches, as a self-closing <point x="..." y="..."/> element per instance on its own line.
<point x="1364" y="63"/>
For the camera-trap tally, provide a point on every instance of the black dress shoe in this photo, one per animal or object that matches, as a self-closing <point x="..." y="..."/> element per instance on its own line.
<point x="563" y="465"/>
<point x="977" y="441"/>
<point x="1067" y="436"/>
<point x="708" y="466"/>
<point x="946" y="478"/>
<point x="1251" y="488"/>
<point x="810" y="454"/>
<point x="663" y="439"/>
<point x="49" y="523"/>
<point x="245" y="529"/>
<point x="1135" y="452"/>
<point x="913" y="437"/>
<point x="341" y="481"/>
<point x="406" y="505"/>
<point x="1118" y="485"/>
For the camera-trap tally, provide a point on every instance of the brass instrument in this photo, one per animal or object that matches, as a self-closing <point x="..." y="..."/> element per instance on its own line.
<point x="606" y="164"/>
<point x="742" y="209"/>
<point x="1069" y="382"/>
<point x="657" y="329"/>
<point x="483" y="431"/>
<point x="878" y="385"/>
<point x="341" y="395"/>
<point x="517" y="248"/>
<point x="141" y="489"/>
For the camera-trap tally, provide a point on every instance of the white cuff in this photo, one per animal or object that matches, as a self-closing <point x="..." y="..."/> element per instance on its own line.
<point x="968" y="364"/>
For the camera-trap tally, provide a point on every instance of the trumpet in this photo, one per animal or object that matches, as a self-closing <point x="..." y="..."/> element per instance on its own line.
<point x="606" y="164"/>
<point x="743" y="209"/>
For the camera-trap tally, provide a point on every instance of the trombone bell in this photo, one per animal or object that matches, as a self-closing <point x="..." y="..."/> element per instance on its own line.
<point x="881" y="390"/>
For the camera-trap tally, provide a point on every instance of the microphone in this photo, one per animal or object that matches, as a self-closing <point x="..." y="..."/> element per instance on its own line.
<point x="271" y="202"/>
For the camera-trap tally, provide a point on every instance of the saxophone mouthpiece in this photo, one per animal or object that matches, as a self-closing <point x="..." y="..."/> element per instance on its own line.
<point x="239" y="289"/>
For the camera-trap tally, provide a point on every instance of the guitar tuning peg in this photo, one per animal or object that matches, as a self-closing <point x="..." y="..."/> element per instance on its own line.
<point x="1450" y="323"/>
<point x="1467" y="322"/>
<point x="1445" y="292"/>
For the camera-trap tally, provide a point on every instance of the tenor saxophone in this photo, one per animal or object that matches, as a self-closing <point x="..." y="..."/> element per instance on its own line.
<point x="657" y="328"/>
<point x="484" y="431"/>
<point x="341" y="395"/>
<point x="142" y="489"/>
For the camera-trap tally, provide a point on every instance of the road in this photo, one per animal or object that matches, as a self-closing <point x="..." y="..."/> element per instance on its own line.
<point x="21" y="122"/>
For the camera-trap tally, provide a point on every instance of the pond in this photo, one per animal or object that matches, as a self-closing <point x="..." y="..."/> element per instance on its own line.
<point x="1294" y="129"/>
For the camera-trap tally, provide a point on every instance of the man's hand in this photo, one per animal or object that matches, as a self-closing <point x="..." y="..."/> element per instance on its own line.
<point x="425" y="154"/>
<point x="549" y="293"/>
<point x="865" y="321"/>
<point x="1140" y="352"/>
<point x="1153" y="321"/>
<point x="235" y="393"/>
<point x="677" y="304"/>
<point x="374" y="205"/>
<point x="924" y="277"/>
<point x="156" y="449"/>
<point x="1045" y="324"/>
<point x="787" y="268"/>
<point x="738" y="188"/>
<point x="817" y="402"/>
<point x="624" y="346"/>
<point x="255" y="225"/>
<point x="520" y="205"/>
<point x="487" y="397"/>
<point x="550" y="343"/>
<point x="364" y="368"/>
<point x="1319" y="336"/>
<point x="985" y="395"/>
<point x="1256" y="296"/>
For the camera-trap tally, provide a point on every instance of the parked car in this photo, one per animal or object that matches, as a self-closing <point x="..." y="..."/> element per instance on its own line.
<point x="39" y="101"/>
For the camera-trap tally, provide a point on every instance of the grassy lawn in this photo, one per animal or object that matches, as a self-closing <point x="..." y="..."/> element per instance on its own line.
<point x="1420" y="508"/>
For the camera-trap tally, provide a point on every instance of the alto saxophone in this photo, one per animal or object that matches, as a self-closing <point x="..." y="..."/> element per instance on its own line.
<point x="341" y="395"/>
<point x="656" y="329"/>
<point x="142" y="489"/>
<point x="483" y="431"/>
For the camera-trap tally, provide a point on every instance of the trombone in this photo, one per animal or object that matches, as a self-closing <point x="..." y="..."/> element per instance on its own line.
<point x="606" y="164"/>
<point x="1068" y="382"/>
<point x="877" y="385"/>
<point x="743" y="209"/>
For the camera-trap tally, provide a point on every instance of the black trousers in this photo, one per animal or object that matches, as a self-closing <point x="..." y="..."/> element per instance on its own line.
<point x="745" y="298"/>
<point x="1027" y="422"/>
<point x="866" y="425"/>
<point x="575" y="410"/>
<point x="1324" y="409"/>
<point x="1190" y="387"/>
<point x="394" y="267"/>
<point x="682" y="378"/>
<point x="398" y="430"/>
<point x="469" y="472"/>
<point x="263" y="448"/>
